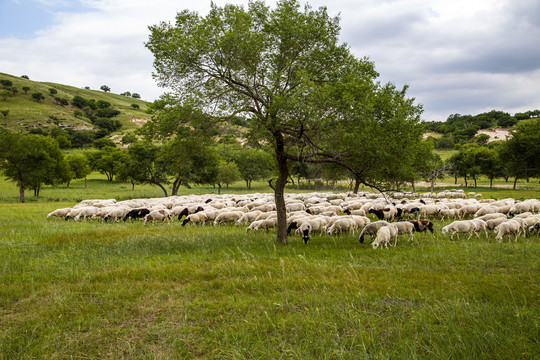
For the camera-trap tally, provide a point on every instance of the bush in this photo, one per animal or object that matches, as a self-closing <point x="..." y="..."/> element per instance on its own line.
<point x="135" y="106"/>
<point x="53" y="91"/>
<point x="77" y="113"/>
<point x="37" y="96"/>
<point x="79" y="101"/>
<point x="107" y="113"/>
<point x="107" y="124"/>
<point x="61" y="101"/>
<point x="103" y="142"/>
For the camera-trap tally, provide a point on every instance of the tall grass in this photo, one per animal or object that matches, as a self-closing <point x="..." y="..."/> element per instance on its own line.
<point x="124" y="290"/>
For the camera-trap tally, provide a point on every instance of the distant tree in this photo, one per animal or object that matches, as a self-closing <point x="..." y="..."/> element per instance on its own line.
<point x="103" y="142"/>
<point x="53" y="91"/>
<point x="521" y="153"/>
<point x="481" y="139"/>
<point x="126" y="93"/>
<point x="253" y="164"/>
<point x="228" y="173"/>
<point x="86" y="87"/>
<point x="31" y="161"/>
<point x="508" y="121"/>
<point x="107" y="113"/>
<point x="79" y="167"/>
<point x="105" y="88"/>
<point x="142" y="166"/>
<point x="5" y="113"/>
<point x="25" y="77"/>
<point x="135" y="106"/>
<point x="37" y="96"/>
<point x="26" y="89"/>
<point x="6" y="84"/>
<point x="135" y="96"/>
<point x="107" y="161"/>
<point x="77" y="113"/>
<point x="14" y="90"/>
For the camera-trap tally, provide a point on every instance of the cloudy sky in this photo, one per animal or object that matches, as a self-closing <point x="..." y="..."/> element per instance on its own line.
<point x="458" y="56"/>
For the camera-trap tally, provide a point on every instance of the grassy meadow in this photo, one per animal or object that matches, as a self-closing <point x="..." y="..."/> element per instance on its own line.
<point x="92" y="290"/>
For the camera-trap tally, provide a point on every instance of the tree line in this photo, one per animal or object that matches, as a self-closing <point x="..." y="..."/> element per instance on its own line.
<point x="461" y="129"/>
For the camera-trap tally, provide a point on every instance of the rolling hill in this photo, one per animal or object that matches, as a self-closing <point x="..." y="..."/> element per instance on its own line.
<point x="25" y="113"/>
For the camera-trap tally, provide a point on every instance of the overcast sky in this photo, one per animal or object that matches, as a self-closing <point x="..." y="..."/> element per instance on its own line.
<point x="458" y="56"/>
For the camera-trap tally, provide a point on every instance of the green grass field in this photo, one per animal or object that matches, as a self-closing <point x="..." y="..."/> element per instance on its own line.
<point x="89" y="290"/>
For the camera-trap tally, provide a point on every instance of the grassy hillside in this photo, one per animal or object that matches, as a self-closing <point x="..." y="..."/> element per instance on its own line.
<point x="25" y="113"/>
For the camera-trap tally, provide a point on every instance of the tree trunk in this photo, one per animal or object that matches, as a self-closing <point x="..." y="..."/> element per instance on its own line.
<point x="474" y="182"/>
<point x="356" y="184"/>
<point x="433" y="184"/>
<point x="465" y="178"/>
<point x="292" y="180"/>
<point x="490" y="182"/>
<point x="455" y="180"/>
<point x="165" y="190"/>
<point x="247" y="184"/>
<point x="85" y="182"/>
<point x="67" y="185"/>
<point x="219" y="189"/>
<point x="132" y="185"/>
<point x="175" y="187"/>
<point x="279" y="189"/>
<point x="515" y="182"/>
<point x="21" y="193"/>
<point x="413" y="186"/>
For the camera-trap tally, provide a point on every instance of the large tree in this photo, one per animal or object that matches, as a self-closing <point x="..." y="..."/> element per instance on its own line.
<point x="283" y="68"/>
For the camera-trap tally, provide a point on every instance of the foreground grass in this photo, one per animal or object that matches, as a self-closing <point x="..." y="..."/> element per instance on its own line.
<point x="125" y="291"/>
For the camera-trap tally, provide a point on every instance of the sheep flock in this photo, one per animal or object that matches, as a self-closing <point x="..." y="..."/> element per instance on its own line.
<point x="381" y="217"/>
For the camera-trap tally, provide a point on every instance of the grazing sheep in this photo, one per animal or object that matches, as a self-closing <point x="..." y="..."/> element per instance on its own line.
<point x="519" y="208"/>
<point x="459" y="227"/>
<point x="59" y="213"/>
<point x="383" y="237"/>
<point x="507" y="228"/>
<point x="137" y="214"/>
<point x="228" y="216"/>
<point x="492" y="216"/>
<point x="342" y="225"/>
<point x="85" y="212"/>
<point x="449" y="214"/>
<point x="479" y="226"/>
<point x="262" y="224"/>
<point x="248" y="217"/>
<point x="197" y="218"/>
<point x="161" y="214"/>
<point x="422" y="225"/>
<point x="371" y="229"/>
<point x="493" y="223"/>
<point x="404" y="227"/>
<point x="116" y="214"/>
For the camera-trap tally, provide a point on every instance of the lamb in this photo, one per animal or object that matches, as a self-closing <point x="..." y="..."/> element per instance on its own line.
<point x="508" y="227"/>
<point x="371" y="229"/>
<point x="161" y="214"/>
<point x="59" y="213"/>
<point x="229" y="216"/>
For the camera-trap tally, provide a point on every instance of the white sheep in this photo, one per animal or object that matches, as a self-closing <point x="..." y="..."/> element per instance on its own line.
<point x="59" y="213"/>
<point x="160" y="214"/>
<point x="342" y="225"/>
<point x="262" y="224"/>
<point x="507" y="228"/>
<point x="228" y="216"/>
<point x="459" y="227"/>
<point x="404" y="227"/>
<point x="493" y="223"/>
<point x="383" y="237"/>
<point x="197" y="218"/>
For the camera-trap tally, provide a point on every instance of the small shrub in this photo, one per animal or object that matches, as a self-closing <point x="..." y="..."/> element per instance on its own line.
<point x="37" y="96"/>
<point x="135" y="106"/>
